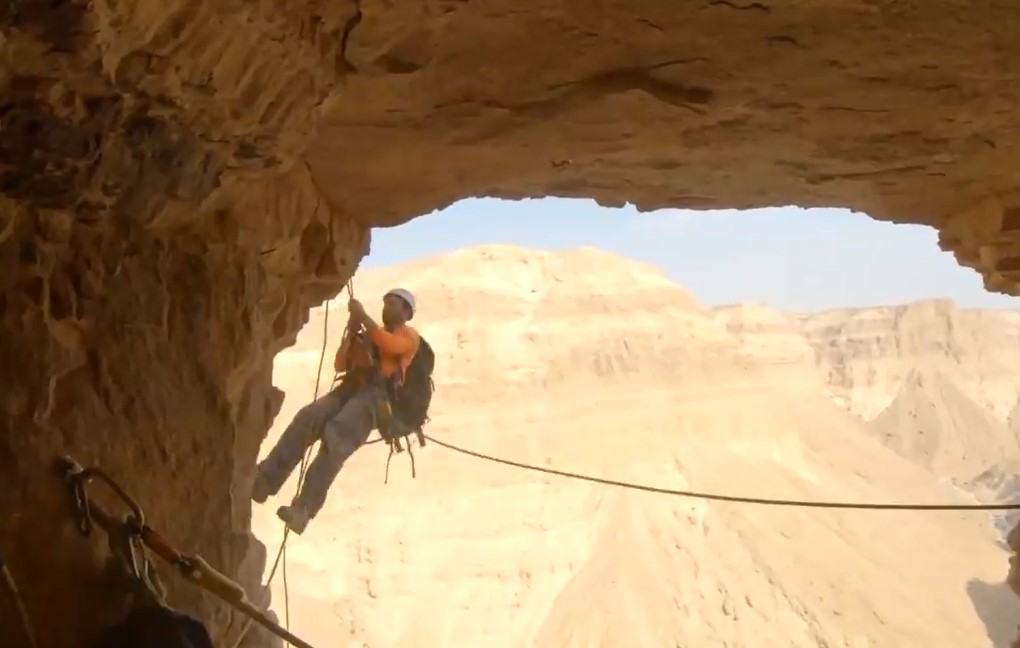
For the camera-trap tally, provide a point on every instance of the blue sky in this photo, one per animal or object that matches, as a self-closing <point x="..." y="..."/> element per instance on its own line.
<point x="789" y="258"/>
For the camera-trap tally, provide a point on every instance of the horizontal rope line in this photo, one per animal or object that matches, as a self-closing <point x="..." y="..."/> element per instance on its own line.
<point x="729" y="498"/>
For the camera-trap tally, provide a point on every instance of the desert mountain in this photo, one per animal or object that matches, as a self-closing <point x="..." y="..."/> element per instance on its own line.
<point x="867" y="354"/>
<point x="509" y="315"/>
<point x="766" y="333"/>
<point x="933" y="421"/>
<point x="587" y="362"/>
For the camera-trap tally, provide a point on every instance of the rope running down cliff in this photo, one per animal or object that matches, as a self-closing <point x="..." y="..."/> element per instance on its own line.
<point x="304" y="462"/>
<point x="729" y="498"/>
<point x="281" y="554"/>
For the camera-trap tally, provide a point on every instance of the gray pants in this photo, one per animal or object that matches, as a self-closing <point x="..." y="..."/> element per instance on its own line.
<point x="342" y="424"/>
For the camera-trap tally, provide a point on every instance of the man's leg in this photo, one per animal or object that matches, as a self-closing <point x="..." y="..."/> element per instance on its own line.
<point x="303" y="431"/>
<point x="341" y="437"/>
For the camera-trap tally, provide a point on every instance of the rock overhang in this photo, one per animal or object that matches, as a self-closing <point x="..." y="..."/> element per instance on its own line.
<point x="180" y="181"/>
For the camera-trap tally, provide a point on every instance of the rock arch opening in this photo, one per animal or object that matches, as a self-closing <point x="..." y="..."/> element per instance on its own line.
<point x="167" y="173"/>
<point x="894" y="368"/>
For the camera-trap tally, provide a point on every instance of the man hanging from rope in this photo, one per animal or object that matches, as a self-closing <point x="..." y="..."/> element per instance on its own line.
<point x="374" y="361"/>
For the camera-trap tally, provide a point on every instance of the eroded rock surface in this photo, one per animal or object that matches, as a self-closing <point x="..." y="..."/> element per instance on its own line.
<point x="868" y="353"/>
<point x="180" y="180"/>
<point x="147" y="282"/>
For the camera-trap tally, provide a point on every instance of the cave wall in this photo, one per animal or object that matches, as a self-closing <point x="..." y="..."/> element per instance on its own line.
<point x="158" y="245"/>
<point x="152" y="358"/>
<point x="181" y="179"/>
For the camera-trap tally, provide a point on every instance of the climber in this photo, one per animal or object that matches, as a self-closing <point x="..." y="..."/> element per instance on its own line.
<point x="373" y="361"/>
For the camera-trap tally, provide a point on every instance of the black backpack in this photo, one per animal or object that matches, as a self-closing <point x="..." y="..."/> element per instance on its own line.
<point x="411" y="400"/>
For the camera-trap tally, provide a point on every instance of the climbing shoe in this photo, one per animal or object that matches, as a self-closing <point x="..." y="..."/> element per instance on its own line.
<point x="294" y="517"/>
<point x="260" y="490"/>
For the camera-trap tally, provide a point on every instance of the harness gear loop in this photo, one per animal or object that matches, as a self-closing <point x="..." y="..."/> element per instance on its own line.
<point x="397" y="448"/>
<point x="410" y="453"/>
<point x="128" y="538"/>
<point x="391" y="429"/>
<point x="389" y="457"/>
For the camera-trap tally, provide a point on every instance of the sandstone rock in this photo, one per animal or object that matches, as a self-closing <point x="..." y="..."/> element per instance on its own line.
<point x="933" y="422"/>
<point x="867" y="354"/>
<point x="766" y="333"/>
<point x="180" y="181"/>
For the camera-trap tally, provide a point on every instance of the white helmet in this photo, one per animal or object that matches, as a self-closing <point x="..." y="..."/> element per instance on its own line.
<point x="405" y="295"/>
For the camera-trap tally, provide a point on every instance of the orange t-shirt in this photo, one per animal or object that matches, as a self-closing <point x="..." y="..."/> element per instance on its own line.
<point x="396" y="349"/>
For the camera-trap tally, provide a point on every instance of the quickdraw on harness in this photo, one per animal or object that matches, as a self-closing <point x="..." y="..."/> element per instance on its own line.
<point x="129" y="537"/>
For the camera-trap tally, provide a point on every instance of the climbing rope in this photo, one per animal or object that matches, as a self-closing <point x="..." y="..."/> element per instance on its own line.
<point x="728" y="498"/>
<point x="281" y="553"/>
<point x="304" y="463"/>
<point x="18" y="603"/>
<point x="130" y="536"/>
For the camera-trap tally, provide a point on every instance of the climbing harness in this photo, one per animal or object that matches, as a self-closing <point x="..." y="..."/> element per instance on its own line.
<point x="392" y="417"/>
<point x="728" y="498"/>
<point x="130" y="536"/>
<point x="391" y="431"/>
<point x="391" y="428"/>
<point x="18" y="603"/>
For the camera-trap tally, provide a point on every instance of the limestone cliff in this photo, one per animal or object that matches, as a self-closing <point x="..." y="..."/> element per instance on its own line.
<point x="766" y="333"/>
<point x="932" y="421"/>
<point x="937" y="383"/>
<point x="868" y="353"/>
<point x="180" y="180"/>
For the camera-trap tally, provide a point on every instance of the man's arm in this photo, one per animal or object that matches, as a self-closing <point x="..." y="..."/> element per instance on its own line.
<point x="386" y="341"/>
